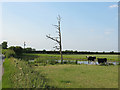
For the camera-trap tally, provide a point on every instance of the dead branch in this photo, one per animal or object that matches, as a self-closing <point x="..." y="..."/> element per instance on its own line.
<point x="52" y="38"/>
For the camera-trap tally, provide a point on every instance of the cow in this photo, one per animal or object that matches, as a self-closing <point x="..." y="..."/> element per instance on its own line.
<point x="91" y="58"/>
<point x="102" y="60"/>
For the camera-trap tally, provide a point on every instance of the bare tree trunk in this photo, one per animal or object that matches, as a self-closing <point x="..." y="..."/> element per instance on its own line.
<point x="58" y="40"/>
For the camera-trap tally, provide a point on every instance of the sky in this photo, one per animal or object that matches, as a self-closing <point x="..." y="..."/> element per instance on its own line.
<point x="85" y="26"/>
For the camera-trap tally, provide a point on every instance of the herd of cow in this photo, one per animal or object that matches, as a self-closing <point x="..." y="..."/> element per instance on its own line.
<point x="93" y="58"/>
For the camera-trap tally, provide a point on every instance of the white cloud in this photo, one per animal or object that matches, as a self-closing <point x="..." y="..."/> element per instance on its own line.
<point x="113" y="6"/>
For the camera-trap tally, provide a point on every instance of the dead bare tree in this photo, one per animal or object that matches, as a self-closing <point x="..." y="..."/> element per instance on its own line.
<point x="57" y="39"/>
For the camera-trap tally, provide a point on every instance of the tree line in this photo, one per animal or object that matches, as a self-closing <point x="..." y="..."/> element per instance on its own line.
<point x="14" y="51"/>
<point x="72" y="52"/>
<point x="17" y="51"/>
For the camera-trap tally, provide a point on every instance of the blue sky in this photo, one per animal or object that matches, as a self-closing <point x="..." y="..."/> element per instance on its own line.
<point x="85" y="26"/>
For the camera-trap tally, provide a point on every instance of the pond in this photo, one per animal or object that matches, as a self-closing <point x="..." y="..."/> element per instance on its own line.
<point x="86" y="62"/>
<point x="80" y="62"/>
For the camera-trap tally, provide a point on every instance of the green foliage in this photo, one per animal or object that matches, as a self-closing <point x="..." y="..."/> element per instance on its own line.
<point x="18" y="50"/>
<point x="4" y="51"/>
<point x="4" y="45"/>
<point x="8" y="53"/>
<point x="29" y="49"/>
<point x="19" y="74"/>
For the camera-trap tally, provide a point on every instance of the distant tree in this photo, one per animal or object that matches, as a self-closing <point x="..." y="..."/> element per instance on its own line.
<point x="44" y="51"/>
<point x="112" y="52"/>
<point x="33" y="49"/>
<point x="12" y="48"/>
<point x="29" y="49"/>
<point x="75" y="51"/>
<point x="58" y="39"/>
<point x="4" y="45"/>
<point x="18" y="50"/>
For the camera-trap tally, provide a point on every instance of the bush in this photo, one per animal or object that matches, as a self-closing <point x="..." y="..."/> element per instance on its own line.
<point x="4" y="51"/>
<point x="18" y="50"/>
<point x="9" y="53"/>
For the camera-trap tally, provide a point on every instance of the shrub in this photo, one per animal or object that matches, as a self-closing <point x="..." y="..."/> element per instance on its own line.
<point x="9" y="53"/>
<point x="4" y="51"/>
<point x="18" y="50"/>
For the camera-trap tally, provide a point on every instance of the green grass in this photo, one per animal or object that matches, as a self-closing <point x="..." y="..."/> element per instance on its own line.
<point x="80" y="76"/>
<point x="18" y="74"/>
<point x="6" y="79"/>
<point x="76" y="56"/>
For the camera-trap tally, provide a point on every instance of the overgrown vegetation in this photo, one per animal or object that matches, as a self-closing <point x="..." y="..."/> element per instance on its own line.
<point x="19" y="74"/>
<point x="8" y="53"/>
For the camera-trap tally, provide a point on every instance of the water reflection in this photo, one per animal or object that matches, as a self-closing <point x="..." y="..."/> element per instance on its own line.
<point x="86" y="62"/>
<point x="81" y="62"/>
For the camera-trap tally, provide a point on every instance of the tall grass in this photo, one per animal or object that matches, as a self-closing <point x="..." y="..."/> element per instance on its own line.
<point x="18" y="74"/>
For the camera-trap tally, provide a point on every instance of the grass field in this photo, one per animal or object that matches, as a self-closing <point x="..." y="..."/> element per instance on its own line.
<point x="21" y="74"/>
<point x="80" y="76"/>
<point x="77" y="57"/>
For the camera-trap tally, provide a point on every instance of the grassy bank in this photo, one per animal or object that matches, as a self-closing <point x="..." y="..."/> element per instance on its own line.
<point x="80" y="76"/>
<point x="18" y="74"/>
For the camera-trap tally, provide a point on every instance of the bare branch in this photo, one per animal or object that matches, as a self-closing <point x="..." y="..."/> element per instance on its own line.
<point x="57" y="47"/>
<point x="56" y="26"/>
<point x="52" y="38"/>
<point x="59" y="18"/>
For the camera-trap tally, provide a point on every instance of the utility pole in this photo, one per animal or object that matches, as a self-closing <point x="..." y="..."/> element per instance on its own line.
<point x="24" y="45"/>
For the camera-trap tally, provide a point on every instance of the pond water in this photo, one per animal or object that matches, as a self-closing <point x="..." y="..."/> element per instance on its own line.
<point x="86" y="62"/>
<point x="81" y="62"/>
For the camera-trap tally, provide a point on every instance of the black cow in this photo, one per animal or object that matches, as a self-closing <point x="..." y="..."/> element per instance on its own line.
<point x="102" y="60"/>
<point x="91" y="58"/>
